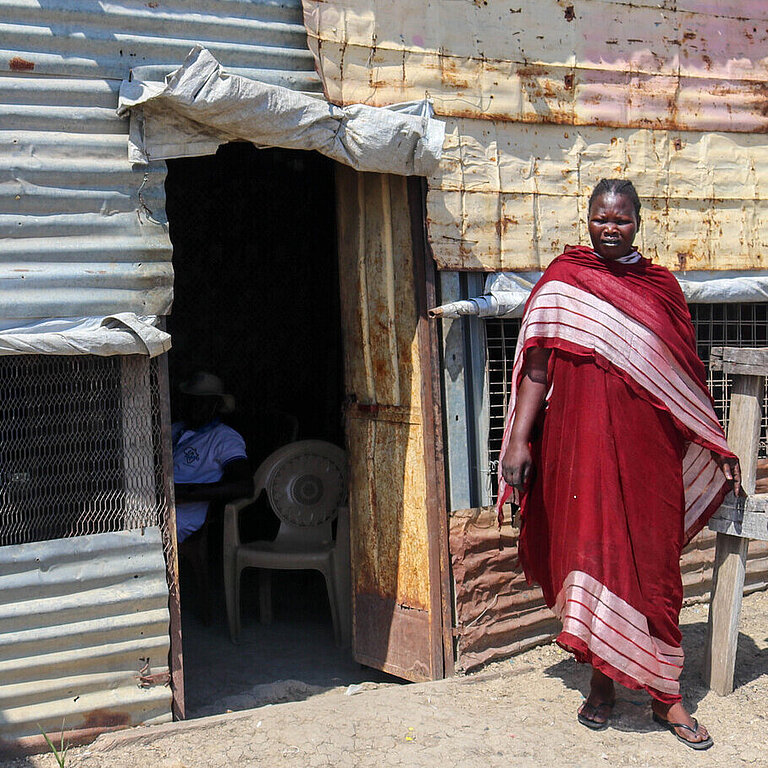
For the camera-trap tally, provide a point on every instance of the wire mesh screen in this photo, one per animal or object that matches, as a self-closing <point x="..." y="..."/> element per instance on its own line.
<point x="80" y="447"/>
<point x="717" y="325"/>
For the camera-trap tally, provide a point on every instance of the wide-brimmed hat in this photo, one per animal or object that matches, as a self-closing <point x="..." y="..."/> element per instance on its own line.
<point x="202" y="384"/>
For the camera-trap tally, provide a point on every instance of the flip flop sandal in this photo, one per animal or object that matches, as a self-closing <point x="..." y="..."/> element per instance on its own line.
<point x="705" y="744"/>
<point x="589" y="722"/>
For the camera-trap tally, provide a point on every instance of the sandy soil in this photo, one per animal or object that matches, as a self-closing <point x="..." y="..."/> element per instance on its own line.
<point x="519" y="712"/>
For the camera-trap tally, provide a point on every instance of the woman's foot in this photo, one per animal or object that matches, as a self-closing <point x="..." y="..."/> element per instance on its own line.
<point x="677" y="719"/>
<point x="597" y="709"/>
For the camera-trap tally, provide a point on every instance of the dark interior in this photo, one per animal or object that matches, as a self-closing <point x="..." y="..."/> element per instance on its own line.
<point x="256" y="297"/>
<point x="257" y="303"/>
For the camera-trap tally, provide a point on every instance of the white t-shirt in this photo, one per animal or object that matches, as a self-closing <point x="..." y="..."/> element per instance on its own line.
<point x="199" y="456"/>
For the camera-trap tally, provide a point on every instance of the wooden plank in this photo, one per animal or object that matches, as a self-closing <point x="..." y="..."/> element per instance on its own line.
<point x="745" y="517"/>
<point x="441" y="615"/>
<point x="176" y="656"/>
<point x="739" y="360"/>
<point x="724" y="612"/>
<point x="731" y="551"/>
<point x="745" y="413"/>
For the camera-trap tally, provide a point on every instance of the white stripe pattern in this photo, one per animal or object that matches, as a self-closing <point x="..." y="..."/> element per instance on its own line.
<point x="617" y="633"/>
<point x="560" y="310"/>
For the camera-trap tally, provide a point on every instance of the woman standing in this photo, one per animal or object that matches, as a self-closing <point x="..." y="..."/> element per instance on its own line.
<point x="614" y="451"/>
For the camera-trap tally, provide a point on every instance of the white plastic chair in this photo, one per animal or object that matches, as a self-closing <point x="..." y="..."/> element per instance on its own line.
<point x="306" y="487"/>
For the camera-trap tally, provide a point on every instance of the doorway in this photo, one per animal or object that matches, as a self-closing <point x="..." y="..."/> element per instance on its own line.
<point x="256" y="302"/>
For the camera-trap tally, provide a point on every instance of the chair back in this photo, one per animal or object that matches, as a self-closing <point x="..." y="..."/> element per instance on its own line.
<point x="306" y="483"/>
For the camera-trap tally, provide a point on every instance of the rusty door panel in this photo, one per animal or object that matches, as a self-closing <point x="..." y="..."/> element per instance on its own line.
<point x="397" y="623"/>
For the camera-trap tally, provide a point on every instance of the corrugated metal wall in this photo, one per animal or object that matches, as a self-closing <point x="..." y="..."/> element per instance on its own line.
<point x="83" y="634"/>
<point x="85" y="233"/>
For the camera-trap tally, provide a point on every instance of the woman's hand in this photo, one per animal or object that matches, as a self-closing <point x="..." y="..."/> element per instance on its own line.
<point x="731" y="470"/>
<point x="516" y="467"/>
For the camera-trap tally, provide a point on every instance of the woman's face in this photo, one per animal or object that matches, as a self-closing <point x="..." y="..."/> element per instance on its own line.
<point x="613" y="225"/>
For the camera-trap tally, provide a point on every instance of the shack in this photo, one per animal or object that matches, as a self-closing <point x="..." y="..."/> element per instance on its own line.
<point x="536" y="102"/>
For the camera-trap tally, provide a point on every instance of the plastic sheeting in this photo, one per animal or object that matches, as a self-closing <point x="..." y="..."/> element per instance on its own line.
<point x="200" y="106"/>
<point x="121" y="334"/>
<point x="506" y="292"/>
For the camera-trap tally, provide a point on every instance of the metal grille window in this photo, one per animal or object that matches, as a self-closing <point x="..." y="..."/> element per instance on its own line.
<point x="743" y="325"/>
<point x="80" y="447"/>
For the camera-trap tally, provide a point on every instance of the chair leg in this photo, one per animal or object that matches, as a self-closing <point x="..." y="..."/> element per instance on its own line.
<point x="265" y="596"/>
<point x="333" y="602"/>
<point x="341" y="580"/>
<point x="232" y="593"/>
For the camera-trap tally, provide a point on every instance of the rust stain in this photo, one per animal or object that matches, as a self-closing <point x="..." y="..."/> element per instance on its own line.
<point x="451" y="75"/>
<point x="503" y="224"/>
<point x="689" y="36"/>
<point x="707" y="60"/>
<point x="531" y="70"/>
<point x="568" y="81"/>
<point x="682" y="260"/>
<point x="18" y="64"/>
<point x="106" y="718"/>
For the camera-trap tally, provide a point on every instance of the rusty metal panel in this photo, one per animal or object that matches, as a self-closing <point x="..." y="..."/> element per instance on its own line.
<point x="396" y="626"/>
<point x="83" y="634"/>
<point x="498" y="613"/>
<point x="511" y="196"/>
<point x="697" y="65"/>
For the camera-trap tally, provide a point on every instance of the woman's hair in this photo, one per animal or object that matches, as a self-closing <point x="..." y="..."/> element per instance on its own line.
<point x="616" y="187"/>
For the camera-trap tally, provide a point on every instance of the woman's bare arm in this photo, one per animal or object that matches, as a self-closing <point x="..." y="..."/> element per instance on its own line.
<point x="516" y="462"/>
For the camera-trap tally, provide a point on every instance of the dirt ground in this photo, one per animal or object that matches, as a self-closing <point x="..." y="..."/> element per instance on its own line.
<point x="519" y="712"/>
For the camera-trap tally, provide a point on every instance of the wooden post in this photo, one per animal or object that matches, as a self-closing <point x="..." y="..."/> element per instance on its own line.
<point x="731" y="551"/>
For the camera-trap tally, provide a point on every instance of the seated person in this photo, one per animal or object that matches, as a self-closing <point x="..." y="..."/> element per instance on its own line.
<point x="209" y="459"/>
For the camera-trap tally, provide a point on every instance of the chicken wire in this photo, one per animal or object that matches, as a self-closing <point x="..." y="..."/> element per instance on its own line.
<point x="717" y="325"/>
<point x="80" y="447"/>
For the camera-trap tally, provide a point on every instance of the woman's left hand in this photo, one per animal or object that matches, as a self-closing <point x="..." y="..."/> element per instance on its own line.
<point x="731" y="471"/>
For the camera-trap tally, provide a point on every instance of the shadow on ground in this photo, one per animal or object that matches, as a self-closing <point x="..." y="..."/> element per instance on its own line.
<point x="633" y="710"/>
<point x="290" y="659"/>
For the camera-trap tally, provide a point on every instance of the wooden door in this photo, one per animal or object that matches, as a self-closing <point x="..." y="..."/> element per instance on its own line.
<point x="401" y="619"/>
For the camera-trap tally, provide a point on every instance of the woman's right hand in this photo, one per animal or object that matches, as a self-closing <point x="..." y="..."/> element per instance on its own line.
<point x="516" y="467"/>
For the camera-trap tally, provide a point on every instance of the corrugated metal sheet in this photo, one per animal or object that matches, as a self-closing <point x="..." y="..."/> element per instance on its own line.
<point x="83" y="634"/>
<point x="85" y="233"/>
<point x="498" y="613"/>
<point x="394" y="624"/>
<point x="97" y="39"/>
<point x="511" y="196"/>
<point x="674" y="64"/>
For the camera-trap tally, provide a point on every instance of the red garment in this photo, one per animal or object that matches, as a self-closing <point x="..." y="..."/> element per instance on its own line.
<point x="623" y="475"/>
